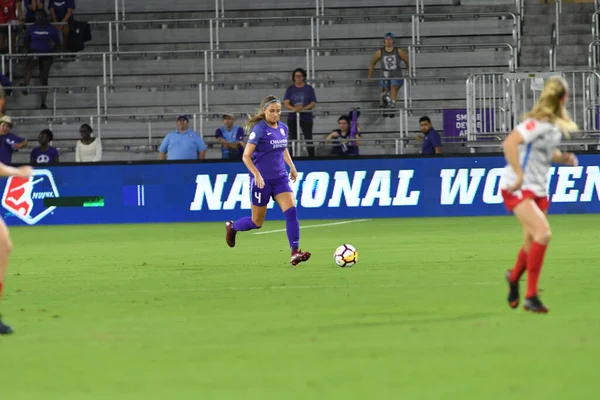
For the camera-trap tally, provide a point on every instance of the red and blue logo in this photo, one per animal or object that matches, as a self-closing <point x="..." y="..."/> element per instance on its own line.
<point x="24" y="197"/>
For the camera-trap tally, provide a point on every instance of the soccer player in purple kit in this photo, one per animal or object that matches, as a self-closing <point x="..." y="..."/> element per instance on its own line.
<point x="266" y="156"/>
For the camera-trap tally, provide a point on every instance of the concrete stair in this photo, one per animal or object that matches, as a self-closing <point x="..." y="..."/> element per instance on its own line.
<point x="574" y="34"/>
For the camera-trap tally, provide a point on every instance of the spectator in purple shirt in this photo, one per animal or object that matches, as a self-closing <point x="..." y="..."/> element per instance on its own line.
<point x="432" y="142"/>
<point x="9" y="142"/>
<point x="40" y="38"/>
<point x="62" y="11"/>
<point x="44" y="153"/>
<point x="300" y="97"/>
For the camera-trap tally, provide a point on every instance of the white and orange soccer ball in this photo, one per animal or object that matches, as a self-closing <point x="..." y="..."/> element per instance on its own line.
<point x="345" y="256"/>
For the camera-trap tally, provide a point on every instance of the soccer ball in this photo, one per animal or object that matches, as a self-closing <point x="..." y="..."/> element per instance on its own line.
<point x="345" y="256"/>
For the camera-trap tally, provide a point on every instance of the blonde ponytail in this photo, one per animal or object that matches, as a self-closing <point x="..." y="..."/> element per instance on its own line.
<point x="550" y="107"/>
<point x="260" y="115"/>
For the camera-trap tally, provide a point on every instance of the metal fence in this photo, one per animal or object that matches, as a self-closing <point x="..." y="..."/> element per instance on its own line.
<point x="496" y="102"/>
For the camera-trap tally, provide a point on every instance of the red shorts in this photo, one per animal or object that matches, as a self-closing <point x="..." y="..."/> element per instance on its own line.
<point x="511" y="200"/>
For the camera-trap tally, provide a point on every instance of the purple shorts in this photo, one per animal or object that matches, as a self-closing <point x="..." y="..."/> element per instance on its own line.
<point x="273" y="187"/>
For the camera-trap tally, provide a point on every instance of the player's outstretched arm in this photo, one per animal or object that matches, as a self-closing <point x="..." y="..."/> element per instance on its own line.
<point x="21" y="172"/>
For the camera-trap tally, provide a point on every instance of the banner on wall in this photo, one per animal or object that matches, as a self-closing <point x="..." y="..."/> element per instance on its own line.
<point x="455" y="123"/>
<point x="332" y="189"/>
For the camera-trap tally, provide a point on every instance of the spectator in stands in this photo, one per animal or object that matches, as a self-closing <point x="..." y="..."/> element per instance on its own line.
<point x="182" y="143"/>
<point x="5" y="85"/>
<point x="62" y="11"/>
<point x="40" y="38"/>
<point x="88" y="148"/>
<point x="432" y="142"/>
<point x="2" y="102"/>
<point x="231" y="138"/>
<point x="345" y="142"/>
<point x="9" y="142"/>
<point x="44" y="153"/>
<point x="31" y="7"/>
<point x="11" y="12"/>
<point x="390" y="58"/>
<point x="300" y="97"/>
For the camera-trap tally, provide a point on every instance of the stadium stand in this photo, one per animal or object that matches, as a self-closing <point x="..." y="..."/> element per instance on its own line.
<point x="188" y="61"/>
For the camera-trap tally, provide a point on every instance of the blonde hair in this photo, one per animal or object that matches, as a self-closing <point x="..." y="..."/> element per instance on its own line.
<point x="260" y="115"/>
<point x="550" y="107"/>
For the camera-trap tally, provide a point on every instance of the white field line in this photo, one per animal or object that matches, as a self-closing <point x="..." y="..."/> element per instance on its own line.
<point x="291" y="287"/>
<point x="316" y="226"/>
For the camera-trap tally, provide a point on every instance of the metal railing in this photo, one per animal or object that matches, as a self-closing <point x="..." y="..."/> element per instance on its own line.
<point x="208" y="70"/>
<point x="506" y="97"/>
<point x="98" y="121"/>
<point x="593" y="54"/>
<point x="558" y="11"/>
<point x="154" y="125"/>
<point x="216" y="24"/>
<point x="150" y="121"/>
<point x="103" y="101"/>
<point x="119" y="11"/>
<point x="596" y="25"/>
<point x="418" y="18"/>
<point x="414" y="49"/>
<point x="552" y="51"/>
<point x="220" y="19"/>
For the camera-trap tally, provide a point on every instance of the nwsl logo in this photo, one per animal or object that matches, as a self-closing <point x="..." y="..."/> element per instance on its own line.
<point x="24" y="197"/>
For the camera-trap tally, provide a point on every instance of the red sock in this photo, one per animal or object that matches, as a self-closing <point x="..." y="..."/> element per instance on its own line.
<point x="535" y="259"/>
<point x="520" y="266"/>
<point x="1" y="284"/>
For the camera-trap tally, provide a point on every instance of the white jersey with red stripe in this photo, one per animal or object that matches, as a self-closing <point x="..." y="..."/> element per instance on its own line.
<point x="535" y="155"/>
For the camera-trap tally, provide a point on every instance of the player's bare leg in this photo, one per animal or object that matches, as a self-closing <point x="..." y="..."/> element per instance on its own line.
<point x="288" y="207"/>
<point x="5" y="248"/>
<point x="534" y="220"/>
<point x="245" y="224"/>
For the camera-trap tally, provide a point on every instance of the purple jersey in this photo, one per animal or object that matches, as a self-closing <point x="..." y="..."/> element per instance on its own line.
<point x="48" y="156"/>
<point x="303" y="95"/>
<point x="270" y="147"/>
<point x="7" y="143"/>
<point x="42" y="39"/>
<point x="61" y="7"/>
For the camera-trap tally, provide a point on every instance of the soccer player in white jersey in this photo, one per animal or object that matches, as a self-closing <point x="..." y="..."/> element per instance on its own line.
<point x="530" y="149"/>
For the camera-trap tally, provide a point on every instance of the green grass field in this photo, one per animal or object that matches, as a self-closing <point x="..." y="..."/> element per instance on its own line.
<point x="169" y="311"/>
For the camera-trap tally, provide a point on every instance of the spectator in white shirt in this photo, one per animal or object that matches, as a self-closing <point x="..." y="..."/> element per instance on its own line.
<point x="88" y="149"/>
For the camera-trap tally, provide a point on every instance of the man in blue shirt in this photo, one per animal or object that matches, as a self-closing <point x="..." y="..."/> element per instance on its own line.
<point x="182" y="143"/>
<point x="9" y="142"/>
<point x="432" y="142"/>
<point x="231" y="138"/>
